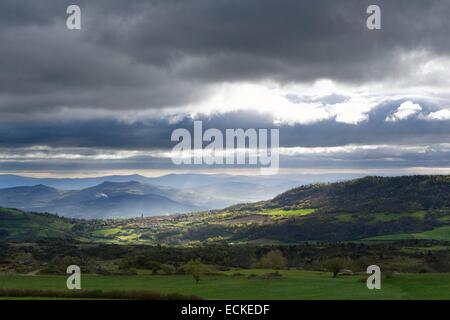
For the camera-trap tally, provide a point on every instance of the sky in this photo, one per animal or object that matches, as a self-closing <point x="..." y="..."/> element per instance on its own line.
<point x="106" y="98"/>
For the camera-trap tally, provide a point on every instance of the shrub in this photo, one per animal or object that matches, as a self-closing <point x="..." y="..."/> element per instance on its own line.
<point x="334" y="265"/>
<point x="168" y="269"/>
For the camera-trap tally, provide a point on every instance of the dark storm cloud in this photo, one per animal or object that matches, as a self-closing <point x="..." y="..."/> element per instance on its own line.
<point x="155" y="134"/>
<point x="377" y="158"/>
<point x="286" y="40"/>
<point x="73" y="89"/>
<point x="46" y="69"/>
<point x="103" y="144"/>
<point x="114" y="134"/>
<point x="87" y="134"/>
<point x="155" y="54"/>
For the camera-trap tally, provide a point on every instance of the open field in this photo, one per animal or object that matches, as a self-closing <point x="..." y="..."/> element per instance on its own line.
<point x="288" y="213"/>
<point x="442" y="233"/>
<point x="293" y="285"/>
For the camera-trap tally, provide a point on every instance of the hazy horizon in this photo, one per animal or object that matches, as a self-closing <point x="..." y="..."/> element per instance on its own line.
<point x="242" y="172"/>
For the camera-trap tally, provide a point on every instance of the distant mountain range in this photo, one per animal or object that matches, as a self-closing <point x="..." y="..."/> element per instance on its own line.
<point x="179" y="181"/>
<point x="136" y="195"/>
<point x="108" y="199"/>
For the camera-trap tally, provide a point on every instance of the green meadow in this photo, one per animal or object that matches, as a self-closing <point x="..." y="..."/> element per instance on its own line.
<point x="288" y="213"/>
<point x="442" y="233"/>
<point x="293" y="284"/>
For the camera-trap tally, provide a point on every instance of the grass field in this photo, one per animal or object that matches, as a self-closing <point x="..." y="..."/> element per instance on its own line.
<point x="107" y="232"/>
<point x="288" y="213"/>
<point x="293" y="285"/>
<point x="442" y="233"/>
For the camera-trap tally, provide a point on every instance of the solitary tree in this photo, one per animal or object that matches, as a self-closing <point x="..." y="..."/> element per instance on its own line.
<point x="334" y="265"/>
<point x="195" y="268"/>
<point x="274" y="259"/>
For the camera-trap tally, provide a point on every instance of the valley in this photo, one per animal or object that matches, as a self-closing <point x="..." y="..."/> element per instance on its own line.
<point x="133" y="196"/>
<point x="369" y="209"/>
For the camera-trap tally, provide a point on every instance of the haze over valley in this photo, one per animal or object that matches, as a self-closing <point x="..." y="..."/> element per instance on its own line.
<point x="135" y="195"/>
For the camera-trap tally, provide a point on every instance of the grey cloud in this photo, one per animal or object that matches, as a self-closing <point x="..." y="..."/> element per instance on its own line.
<point x="382" y="157"/>
<point x="286" y="40"/>
<point x="376" y="130"/>
<point x="154" y="54"/>
<point x="47" y="69"/>
<point x="414" y="142"/>
<point x="145" y="55"/>
<point x="155" y="134"/>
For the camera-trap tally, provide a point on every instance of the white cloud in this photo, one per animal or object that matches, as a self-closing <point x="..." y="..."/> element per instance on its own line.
<point x="261" y="98"/>
<point x="358" y="149"/>
<point x="273" y="99"/>
<point x="406" y="110"/>
<point x="441" y="115"/>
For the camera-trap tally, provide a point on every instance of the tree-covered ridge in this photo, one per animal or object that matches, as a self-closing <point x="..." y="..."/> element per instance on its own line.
<point x="371" y="194"/>
<point x="19" y="225"/>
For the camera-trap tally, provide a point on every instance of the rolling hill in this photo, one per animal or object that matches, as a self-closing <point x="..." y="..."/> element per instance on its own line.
<point x="342" y="211"/>
<point x="18" y="225"/>
<point x="370" y="194"/>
